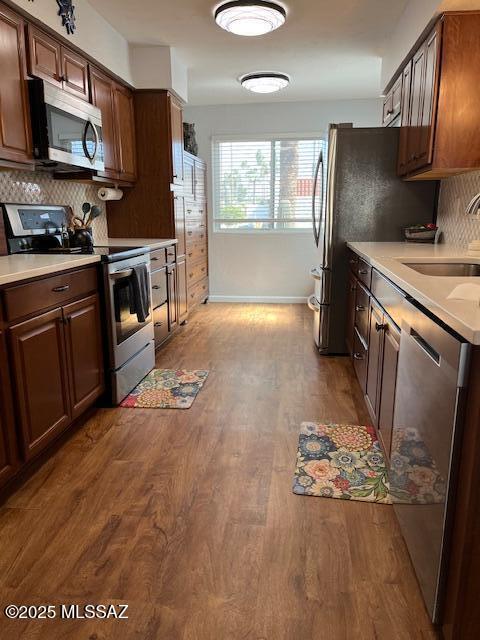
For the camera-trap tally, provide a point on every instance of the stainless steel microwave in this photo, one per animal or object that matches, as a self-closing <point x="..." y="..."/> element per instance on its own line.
<point x="67" y="131"/>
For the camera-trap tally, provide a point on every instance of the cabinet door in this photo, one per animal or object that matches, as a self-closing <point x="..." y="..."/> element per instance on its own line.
<point x="44" y="56"/>
<point x="176" y="120"/>
<point x="15" y="134"/>
<point x="75" y="74"/>
<point x="125" y="133"/>
<point x="8" y="445"/>
<point x="351" y="294"/>
<point x="189" y="177"/>
<point x="430" y="84"/>
<point x="200" y="181"/>
<point x="172" y="297"/>
<point x="397" y="98"/>
<point x="416" y="113"/>
<point x="102" y="88"/>
<point x="84" y="352"/>
<point x="374" y="369"/>
<point x="182" y="290"/>
<point x="41" y="379"/>
<point x="405" y="119"/>
<point x="387" y="109"/>
<point x="179" y="212"/>
<point x="388" y="384"/>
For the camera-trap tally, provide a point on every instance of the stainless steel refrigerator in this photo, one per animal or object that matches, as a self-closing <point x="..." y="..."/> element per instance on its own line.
<point x="358" y="197"/>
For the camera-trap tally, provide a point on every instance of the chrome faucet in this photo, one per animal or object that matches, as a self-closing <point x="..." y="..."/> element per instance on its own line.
<point x="473" y="208"/>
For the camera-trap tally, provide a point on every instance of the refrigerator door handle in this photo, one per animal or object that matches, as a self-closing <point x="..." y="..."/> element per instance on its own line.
<point x="316" y="229"/>
<point x="313" y="304"/>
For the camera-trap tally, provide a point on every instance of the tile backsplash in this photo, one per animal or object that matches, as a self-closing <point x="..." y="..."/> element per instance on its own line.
<point x="457" y="228"/>
<point x="38" y="188"/>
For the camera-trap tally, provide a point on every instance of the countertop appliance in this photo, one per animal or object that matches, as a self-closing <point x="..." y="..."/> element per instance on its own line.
<point x="34" y="229"/>
<point x="431" y="389"/>
<point x="357" y="197"/>
<point x="67" y="131"/>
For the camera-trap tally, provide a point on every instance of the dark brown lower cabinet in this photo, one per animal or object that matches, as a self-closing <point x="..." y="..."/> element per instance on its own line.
<point x="172" y="297"/>
<point x="182" y="290"/>
<point x="374" y="370"/>
<point x="8" y="446"/>
<point x="84" y="353"/>
<point x="391" y="346"/>
<point x="41" y="379"/>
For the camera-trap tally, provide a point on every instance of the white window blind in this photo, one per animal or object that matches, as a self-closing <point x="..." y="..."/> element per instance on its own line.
<point x="264" y="184"/>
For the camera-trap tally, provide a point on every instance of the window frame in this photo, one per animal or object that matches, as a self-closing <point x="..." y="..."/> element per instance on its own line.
<point x="268" y="137"/>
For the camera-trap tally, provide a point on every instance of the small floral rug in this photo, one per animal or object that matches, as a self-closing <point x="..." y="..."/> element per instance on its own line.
<point x="347" y="462"/>
<point x="166" y="389"/>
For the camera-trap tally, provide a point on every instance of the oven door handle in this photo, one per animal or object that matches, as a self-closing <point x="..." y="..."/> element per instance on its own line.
<point x="124" y="273"/>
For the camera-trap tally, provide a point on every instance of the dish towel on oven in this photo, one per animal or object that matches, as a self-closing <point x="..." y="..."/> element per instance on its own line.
<point x="140" y="292"/>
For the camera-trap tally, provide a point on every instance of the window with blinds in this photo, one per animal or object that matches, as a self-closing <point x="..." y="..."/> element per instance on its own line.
<point x="264" y="184"/>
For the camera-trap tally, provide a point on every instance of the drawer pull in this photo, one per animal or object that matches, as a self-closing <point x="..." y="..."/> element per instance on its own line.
<point x="64" y="287"/>
<point x="380" y="327"/>
<point x="159" y="324"/>
<point x="360" y="307"/>
<point x="363" y="272"/>
<point x="190" y="233"/>
<point x="358" y="356"/>
<point x="156" y="287"/>
<point x="154" y="258"/>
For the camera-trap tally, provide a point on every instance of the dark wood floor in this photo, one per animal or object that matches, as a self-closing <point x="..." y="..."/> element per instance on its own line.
<point x="188" y="516"/>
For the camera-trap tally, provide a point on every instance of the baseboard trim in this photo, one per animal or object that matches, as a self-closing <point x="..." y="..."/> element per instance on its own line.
<point x="260" y="299"/>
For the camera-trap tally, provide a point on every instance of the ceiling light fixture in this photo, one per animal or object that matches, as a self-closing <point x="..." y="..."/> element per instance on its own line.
<point x="250" y="17"/>
<point x="265" y="82"/>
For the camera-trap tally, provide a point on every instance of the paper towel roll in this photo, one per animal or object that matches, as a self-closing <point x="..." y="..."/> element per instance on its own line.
<point x="110" y="194"/>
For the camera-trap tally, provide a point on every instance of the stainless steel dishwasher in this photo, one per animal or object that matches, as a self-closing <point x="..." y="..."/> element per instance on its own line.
<point x="431" y="388"/>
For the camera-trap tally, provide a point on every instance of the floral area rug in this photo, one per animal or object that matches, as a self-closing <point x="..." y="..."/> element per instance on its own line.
<point x="347" y="462"/>
<point x="166" y="389"/>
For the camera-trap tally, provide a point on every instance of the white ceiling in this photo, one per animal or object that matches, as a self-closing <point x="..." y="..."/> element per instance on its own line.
<point x="331" y="48"/>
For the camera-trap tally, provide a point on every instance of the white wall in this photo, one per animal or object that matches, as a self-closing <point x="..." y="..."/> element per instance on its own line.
<point x="93" y="34"/>
<point x="267" y="267"/>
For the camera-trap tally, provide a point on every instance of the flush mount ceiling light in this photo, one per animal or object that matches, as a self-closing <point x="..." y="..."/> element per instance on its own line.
<point x="250" y="17"/>
<point x="264" y="82"/>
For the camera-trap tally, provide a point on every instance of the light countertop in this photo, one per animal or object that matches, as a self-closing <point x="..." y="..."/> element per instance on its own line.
<point x="431" y="291"/>
<point x="19" y="267"/>
<point x="151" y="243"/>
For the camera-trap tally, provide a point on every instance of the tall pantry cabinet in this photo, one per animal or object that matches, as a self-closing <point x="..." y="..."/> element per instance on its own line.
<point x="167" y="201"/>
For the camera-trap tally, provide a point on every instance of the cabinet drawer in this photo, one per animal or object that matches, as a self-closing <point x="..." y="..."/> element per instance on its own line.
<point x="158" y="259"/>
<point x="364" y="272"/>
<point x="159" y="287"/>
<point x="197" y="293"/>
<point x="171" y="254"/>
<point x="196" y="271"/>
<point x="194" y="210"/>
<point x="160" y="323"/>
<point x="26" y="299"/>
<point x="196" y="230"/>
<point x="360" y="360"/>
<point x="197" y="251"/>
<point x="389" y="296"/>
<point x="362" y="301"/>
<point x="353" y="261"/>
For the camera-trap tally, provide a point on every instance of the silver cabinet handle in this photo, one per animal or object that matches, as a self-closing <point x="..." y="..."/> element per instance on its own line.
<point x="358" y="356"/>
<point x="363" y="272"/>
<point x="360" y="307"/>
<point x="64" y="287"/>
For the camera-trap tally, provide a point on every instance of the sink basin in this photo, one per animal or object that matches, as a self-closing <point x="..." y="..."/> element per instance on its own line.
<point x="453" y="269"/>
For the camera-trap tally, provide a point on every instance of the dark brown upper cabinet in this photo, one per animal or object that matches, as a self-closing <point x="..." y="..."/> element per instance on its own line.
<point x="51" y="61"/>
<point x="102" y="87"/>
<point x="125" y="128"/>
<point x="440" y="122"/>
<point x="15" y="133"/>
<point x="392" y="104"/>
<point x="118" y="126"/>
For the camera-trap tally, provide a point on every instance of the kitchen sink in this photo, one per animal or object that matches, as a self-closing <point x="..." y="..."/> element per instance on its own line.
<point x="453" y="269"/>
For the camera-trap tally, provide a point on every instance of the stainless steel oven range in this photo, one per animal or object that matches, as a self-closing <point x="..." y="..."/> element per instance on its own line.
<point x="129" y="318"/>
<point x="127" y="292"/>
